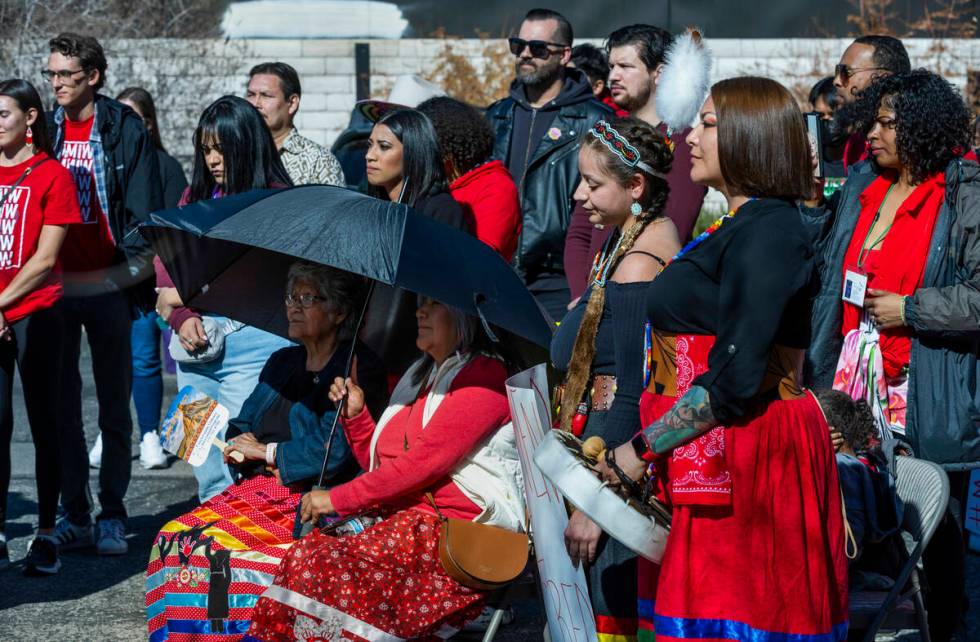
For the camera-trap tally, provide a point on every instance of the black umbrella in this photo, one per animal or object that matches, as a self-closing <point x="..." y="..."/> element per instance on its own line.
<point x="230" y="256"/>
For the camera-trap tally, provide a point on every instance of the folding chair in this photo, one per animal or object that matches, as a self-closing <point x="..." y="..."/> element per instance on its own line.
<point x="526" y="586"/>
<point x="924" y="489"/>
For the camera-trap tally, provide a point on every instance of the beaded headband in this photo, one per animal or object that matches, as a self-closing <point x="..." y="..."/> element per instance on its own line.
<point x="621" y="147"/>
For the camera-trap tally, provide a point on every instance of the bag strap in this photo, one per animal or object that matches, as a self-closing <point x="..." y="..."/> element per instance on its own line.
<point x="27" y="172"/>
<point x="850" y="542"/>
<point x="432" y="500"/>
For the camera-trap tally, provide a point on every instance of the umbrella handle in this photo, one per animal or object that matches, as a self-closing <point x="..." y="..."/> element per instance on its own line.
<point x="347" y="367"/>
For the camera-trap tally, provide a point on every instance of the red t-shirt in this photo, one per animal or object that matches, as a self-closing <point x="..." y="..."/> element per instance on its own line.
<point x="88" y="246"/>
<point x="45" y="197"/>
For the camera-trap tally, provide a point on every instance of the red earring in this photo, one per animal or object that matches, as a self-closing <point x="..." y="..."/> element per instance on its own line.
<point x="29" y="139"/>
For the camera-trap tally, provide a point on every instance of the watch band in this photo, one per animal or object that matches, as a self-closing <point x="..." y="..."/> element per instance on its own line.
<point x="642" y="448"/>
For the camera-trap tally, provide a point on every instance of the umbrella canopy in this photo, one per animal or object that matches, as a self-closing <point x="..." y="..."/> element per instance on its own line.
<point x="230" y="256"/>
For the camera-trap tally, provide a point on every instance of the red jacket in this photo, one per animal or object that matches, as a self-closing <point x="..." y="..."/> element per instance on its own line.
<point x="489" y="193"/>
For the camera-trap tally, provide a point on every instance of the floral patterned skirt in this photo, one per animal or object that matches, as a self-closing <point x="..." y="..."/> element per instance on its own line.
<point x="386" y="583"/>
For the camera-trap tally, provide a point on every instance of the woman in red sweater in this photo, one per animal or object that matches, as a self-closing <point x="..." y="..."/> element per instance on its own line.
<point x="37" y="203"/>
<point x="480" y="185"/>
<point x="447" y="432"/>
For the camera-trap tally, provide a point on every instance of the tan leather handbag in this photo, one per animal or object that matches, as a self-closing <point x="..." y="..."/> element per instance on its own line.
<point x="480" y="556"/>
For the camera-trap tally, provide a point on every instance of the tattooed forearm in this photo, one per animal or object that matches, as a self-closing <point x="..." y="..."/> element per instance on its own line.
<point x="689" y="418"/>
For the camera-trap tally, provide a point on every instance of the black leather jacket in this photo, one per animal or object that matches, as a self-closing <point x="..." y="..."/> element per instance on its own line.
<point x="552" y="169"/>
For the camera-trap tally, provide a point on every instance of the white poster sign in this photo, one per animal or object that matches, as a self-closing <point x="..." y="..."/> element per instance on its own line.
<point x="566" y="596"/>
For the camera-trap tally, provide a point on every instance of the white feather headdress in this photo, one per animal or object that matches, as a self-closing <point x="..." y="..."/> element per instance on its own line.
<point x="685" y="80"/>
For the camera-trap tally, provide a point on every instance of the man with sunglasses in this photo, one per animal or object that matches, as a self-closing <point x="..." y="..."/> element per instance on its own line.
<point x="865" y="60"/>
<point x="106" y="269"/>
<point x="537" y="130"/>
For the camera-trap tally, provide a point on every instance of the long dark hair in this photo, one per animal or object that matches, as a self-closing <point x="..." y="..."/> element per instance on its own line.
<point x="27" y="98"/>
<point x="655" y="152"/>
<point x="142" y="99"/>
<point x="251" y="160"/>
<point x="422" y="172"/>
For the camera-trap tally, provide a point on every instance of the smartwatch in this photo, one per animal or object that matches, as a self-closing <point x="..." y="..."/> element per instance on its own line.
<point x="642" y="448"/>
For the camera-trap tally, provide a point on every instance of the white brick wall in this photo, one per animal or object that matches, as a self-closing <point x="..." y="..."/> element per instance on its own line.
<point x="186" y="75"/>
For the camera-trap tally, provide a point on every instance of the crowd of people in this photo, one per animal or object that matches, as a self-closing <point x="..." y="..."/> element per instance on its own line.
<point x="757" y="376"/>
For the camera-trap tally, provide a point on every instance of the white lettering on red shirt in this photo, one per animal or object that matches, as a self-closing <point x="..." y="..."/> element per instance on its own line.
<point x="76" y="156"/>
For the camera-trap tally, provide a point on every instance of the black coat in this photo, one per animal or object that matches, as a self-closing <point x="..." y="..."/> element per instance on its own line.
<point x="552" y="171"/>
<point x="132" y="182"/>
<point x="942" y="420"/>
<point x="173" y="182"/>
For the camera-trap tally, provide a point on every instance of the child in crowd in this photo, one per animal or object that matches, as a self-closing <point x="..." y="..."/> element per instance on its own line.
<point x="874" y="511"/>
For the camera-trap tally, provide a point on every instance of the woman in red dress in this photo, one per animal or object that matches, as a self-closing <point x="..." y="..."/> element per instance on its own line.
<point x="446" y="438"/>
<point x="740" y="451"/>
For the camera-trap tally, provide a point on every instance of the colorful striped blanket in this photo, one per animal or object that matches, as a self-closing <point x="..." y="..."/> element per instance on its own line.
<point x="209" y="566"/>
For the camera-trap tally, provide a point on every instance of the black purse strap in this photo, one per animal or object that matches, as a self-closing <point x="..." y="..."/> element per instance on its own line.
<point x="27" y="172"/>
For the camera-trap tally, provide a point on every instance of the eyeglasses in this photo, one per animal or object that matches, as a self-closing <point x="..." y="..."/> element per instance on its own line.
<point x="846" y="72"/>
<point x="539" y="48"/>
<point x="884" y="123"/>
<point x="64" y="75"/>
<point x="304" y="301"/>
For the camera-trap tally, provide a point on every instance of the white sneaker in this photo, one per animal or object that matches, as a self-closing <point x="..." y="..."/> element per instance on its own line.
<point x="95" y="455"/>
<point x="112" y="537"/>
<point x="151" y="452"/>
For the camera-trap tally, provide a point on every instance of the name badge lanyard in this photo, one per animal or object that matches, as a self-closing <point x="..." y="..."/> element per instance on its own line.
<point x="865" y="248"/>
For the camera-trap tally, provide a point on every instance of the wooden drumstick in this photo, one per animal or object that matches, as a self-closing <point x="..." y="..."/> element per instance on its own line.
<point x="235" y="456"/>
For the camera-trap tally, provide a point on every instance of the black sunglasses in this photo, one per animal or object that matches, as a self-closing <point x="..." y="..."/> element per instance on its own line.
<point x="846" y="72"/>
<point x="539" y="48"/>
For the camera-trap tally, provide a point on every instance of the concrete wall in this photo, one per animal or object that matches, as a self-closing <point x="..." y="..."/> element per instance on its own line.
<point x="186" y="75"/>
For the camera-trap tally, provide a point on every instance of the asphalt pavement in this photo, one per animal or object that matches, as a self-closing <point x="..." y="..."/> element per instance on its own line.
<point x="101" y="598"/>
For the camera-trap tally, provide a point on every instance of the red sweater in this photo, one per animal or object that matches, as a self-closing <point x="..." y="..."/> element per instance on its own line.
<point x="489" y="193"/>
<point x="414" y="460"/>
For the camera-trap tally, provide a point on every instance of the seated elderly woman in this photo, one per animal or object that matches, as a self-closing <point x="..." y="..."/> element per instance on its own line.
<point x="445" y="441"/>
<point x="208" y="567"/>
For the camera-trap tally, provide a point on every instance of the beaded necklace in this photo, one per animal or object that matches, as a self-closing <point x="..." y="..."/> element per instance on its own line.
<point x="703" y="236"/>
<point x="603" y="262"/>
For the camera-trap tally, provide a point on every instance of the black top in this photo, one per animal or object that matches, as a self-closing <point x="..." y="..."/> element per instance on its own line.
<point x="274" y="424"/>
<point x="444" y="208"/>
<point x="618" y="351"/>
<point x="172" y="179"/>
<point x="750" y="285"/>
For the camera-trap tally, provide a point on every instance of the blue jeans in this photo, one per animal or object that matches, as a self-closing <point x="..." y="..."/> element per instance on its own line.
<point x="230" y="379"/>
<point x="147" y="376"/>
